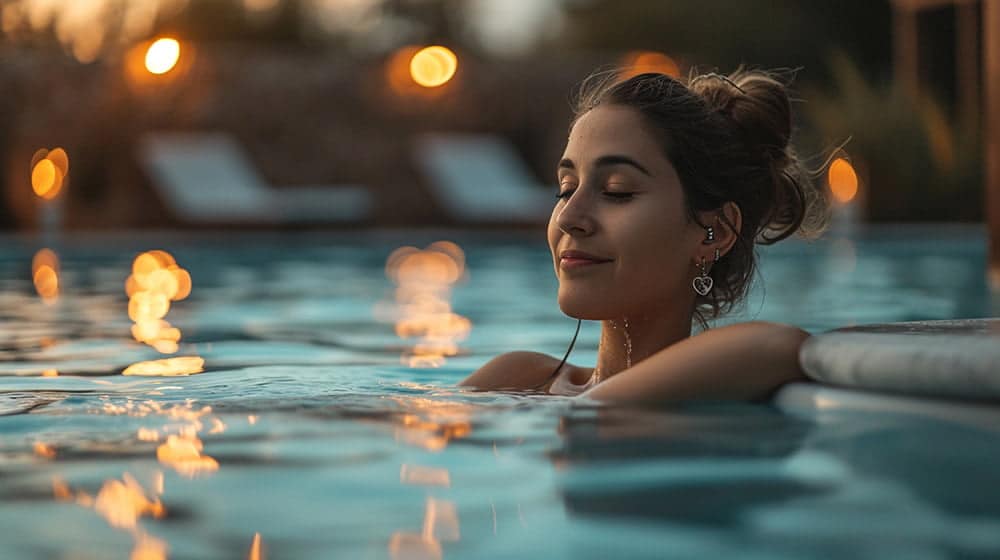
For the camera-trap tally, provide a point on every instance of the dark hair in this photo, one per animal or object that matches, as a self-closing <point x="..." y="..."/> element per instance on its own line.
<point x="728" y="139"/>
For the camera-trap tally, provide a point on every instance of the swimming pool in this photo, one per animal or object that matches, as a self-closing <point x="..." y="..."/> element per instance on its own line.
<point x="310" y="433"/>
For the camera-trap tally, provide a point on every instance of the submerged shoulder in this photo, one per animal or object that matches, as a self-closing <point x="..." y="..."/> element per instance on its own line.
<point x="513" y="370"/>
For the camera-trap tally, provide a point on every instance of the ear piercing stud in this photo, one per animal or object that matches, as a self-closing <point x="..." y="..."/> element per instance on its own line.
<point x="709" y="235"/>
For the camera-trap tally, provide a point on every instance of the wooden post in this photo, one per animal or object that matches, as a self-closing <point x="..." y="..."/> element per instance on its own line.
<point x="991" y="134"/>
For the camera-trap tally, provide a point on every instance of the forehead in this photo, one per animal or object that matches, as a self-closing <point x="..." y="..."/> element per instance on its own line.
<point x="612" y="129"/>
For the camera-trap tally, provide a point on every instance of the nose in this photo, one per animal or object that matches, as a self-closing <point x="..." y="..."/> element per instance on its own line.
<point x="575" y="217"/>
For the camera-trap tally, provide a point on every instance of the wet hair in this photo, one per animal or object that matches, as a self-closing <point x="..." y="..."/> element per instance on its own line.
<point x="728" y="138"/>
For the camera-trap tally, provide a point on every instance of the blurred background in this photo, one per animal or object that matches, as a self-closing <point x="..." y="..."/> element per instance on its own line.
<point x="328" y="113"/>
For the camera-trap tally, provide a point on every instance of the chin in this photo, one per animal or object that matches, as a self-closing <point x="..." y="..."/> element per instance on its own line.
<point x="586" y="308"/>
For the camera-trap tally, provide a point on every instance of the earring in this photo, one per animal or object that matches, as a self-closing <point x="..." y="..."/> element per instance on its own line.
<point x="702" y="283"/>
<point x="709" y="235"/>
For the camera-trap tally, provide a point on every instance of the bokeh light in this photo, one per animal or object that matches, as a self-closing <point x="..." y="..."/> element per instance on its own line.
<point x="424" y="281"/>
<point x="433" y="66"/>
<point x="843" y="180"/>
<point x="48" y="172"/>
<point x="45" y="274"/>
<point x="642" y="62"/>
<point x="155" y="282"/>
<point x="162" y="55"/>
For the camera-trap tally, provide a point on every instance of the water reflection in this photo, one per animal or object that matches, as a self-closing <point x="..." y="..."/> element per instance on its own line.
<point x="705" y="464"/>
<point x="121" y="503"/>
<point x="45" y="275"/>
<point x="425" y="279"/>
<point x="256" y="549"/>
<point x="155" y="282"/>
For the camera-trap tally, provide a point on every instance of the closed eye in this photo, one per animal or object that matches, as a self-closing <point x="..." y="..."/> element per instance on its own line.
<point x="619" y="196"/>
<point x="616" y="196"/>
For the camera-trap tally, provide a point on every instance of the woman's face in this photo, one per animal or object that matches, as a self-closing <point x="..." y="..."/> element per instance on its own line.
<point x="621" y="203"/>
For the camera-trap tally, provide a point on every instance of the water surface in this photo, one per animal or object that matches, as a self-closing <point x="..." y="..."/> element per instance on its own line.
<point x="328" y="443"/>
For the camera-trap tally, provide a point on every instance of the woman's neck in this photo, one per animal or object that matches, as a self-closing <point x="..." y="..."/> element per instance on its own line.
<point x="627" y="341"/>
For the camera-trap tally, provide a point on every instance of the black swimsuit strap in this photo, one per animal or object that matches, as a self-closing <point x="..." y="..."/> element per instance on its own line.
<point x="568" y="350"/>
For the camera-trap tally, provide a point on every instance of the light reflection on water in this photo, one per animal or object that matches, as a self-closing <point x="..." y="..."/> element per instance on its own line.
<point x="325" y="445"/>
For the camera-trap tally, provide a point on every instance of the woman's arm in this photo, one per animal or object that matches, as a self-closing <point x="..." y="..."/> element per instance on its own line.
<point x="744" y="362"/>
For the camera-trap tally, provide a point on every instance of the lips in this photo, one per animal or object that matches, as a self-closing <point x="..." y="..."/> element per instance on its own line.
<point x="580" y="255"/>
<point x="576" y="259"/>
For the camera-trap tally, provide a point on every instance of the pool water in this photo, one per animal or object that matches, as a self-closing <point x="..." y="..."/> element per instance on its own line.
<point x="317" y="431"/>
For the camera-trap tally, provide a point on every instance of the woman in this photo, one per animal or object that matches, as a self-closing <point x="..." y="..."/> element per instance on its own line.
<point x="664" y="188"/>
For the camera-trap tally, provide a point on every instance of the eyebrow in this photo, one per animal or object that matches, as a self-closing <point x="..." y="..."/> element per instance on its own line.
<point x="606" y="161"/>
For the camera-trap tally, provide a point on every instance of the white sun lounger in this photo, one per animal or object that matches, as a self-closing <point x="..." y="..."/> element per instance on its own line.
<point x="207" y="178"/>
<point x="480" y="179"/>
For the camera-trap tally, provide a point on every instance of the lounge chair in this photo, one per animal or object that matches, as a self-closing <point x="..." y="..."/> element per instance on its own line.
<point x="480" y="179"/>
<point x="206" y="178"/>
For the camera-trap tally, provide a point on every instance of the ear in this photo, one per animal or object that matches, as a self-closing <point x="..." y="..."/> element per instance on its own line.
<point x="726" y="222"/>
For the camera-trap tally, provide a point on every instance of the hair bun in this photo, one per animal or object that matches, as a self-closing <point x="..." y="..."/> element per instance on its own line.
<point x="756" y="102"/>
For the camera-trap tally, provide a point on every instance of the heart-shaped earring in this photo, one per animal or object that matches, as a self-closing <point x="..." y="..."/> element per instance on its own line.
<point x="702" y="283"/>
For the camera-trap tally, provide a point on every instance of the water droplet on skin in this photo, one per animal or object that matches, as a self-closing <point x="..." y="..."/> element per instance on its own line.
<point x="628" y="346"/>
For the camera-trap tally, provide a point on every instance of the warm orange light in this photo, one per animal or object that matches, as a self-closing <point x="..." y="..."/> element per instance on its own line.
<point x="424" y="281"/>
<point x="451" y="249"/>
<point x="148" y="548"/>
<point x="145" y="264"/>
<point x="397" y="72"/>
<point x="123" y="502"/>
<point x="156" y="280"/>
<point x="184" y="455"/>
<point x="642" y="62"/>
<point x="146" y="434"/>
<point x="46" y="179"/>
<point x="439" y="423"/>
<point x="843" y="180"/>
<point x="60" y="159"/>
<point x="433" y="66"/>
<point x="218" y="426"/>
<point x="44" y="450"/>
<point x="45" y="274"/>
<point x="406" y="546"/>
<point x="169" y="367"/>
<point x="50" y="373"/>
<point x="162" y="55"/>
<point x="255" y="548"/>
<point x="148" y="305"/>
<point x="61" y="490"/>
<point x="183" y="279"/>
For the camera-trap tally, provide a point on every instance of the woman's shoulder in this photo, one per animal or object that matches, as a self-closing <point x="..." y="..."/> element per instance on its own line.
<point x="515" y="370"/>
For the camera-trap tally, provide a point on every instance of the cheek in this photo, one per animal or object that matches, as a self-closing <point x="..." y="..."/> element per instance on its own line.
<point x="659" y="252"/>
<point x="554" y="234"/>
